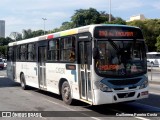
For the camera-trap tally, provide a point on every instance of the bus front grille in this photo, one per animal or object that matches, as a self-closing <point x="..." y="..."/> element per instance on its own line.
<point x="125" y="82"/>
<point x="126" y="95"/>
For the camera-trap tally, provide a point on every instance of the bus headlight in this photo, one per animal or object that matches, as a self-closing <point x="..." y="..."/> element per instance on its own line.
<point x="144" y="84"/>
<point x="104" y="87"/>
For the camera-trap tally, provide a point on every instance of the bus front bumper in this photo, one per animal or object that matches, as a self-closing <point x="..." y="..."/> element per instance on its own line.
<point x="119" y="96"/>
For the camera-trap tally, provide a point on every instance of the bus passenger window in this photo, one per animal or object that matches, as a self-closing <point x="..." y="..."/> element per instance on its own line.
<point x="23" y="52"/>
<point x="72" y="55"/>
<point x="53" y="50"/>
<point x="68" y="49"/>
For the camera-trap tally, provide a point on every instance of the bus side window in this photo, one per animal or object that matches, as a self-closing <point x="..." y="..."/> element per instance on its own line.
<point x="23" y="52"/>
<point x="72" y="51"/>
<point x="68" y="49"/>
<point x="53" y="50"/>
<point x="72" y="55"/>
<point x="31" y="52"/>
<point x="10" y="54"/>
<point x="18" y="53"/>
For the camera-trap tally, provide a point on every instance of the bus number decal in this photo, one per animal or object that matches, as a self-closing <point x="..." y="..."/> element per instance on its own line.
<point x="60" y="70"/>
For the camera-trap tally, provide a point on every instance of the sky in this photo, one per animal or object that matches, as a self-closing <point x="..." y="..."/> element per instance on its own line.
<point x="28" y="14"/>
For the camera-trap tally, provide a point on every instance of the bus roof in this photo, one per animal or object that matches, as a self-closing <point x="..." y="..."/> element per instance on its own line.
<point x="88" y="28"/>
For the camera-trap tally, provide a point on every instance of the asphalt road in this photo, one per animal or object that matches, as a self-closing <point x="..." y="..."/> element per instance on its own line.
<point x="13" y="98"/>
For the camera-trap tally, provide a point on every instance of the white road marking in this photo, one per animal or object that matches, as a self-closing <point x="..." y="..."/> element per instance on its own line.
<point x="95" y="118"/>
<point x="73" y="109"/>
<point x="66" y="107"/>
<point x="90" y="116"/>
<point x="2" y="76"/>
<point x="44" y="118"/>
<point x="141" y="118"/>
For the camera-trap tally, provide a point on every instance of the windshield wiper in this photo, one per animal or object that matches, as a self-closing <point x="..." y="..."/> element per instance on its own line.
<point x="113" y="44"/>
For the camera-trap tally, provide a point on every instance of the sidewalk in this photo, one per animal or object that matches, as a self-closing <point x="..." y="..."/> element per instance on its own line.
<point x="154" y="75"/>
<point x="154" y="82"/>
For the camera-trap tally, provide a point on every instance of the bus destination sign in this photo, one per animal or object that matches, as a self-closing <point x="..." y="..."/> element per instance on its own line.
<point x="117" y="32"/>
<point x="103" y="33"/>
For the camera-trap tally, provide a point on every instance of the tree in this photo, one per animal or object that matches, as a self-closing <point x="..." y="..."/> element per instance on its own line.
<point x="27" y="34"/>
<point x="3" y="51"/>
<point x="84" y="17"/>
<point x="15" y="36"/>
<point x="8" y="40"/>
<point x="150" y="29"/>
<point x="2" y="40"/>
<point x="118" y="20"/>
<point x="66" y="25"/>
<point x="37" y="33"/>
<point x="158" y="43"/>
<point x="81" y="17"/>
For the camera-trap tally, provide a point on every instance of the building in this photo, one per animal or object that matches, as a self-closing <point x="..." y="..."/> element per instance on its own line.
<point x="137" y="17"/>
<point x="2" y="28"/>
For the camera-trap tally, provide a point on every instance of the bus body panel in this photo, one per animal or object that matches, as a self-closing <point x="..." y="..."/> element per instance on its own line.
<point x="10" y="70"/>
<point x="57" y="71"/>
<point x="30" y="71"/>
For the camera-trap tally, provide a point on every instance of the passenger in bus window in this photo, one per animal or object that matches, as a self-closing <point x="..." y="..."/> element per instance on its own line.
<point x="115" y="60"/>
<point x="72" y="55"/>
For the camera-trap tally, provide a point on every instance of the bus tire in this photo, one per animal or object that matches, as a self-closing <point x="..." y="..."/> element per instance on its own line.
<point x="23" y="83"/>
<point x="66" y="93"/>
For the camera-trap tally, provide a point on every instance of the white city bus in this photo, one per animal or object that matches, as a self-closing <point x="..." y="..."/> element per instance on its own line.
<point x="97" y="64"/>
<point x="154" y="58"/>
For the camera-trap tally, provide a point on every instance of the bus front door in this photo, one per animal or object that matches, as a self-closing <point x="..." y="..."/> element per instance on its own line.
<point x="85" y="70"/>
<point x="42" y="57"/>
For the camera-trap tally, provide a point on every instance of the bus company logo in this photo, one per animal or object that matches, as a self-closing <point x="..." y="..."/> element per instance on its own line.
<point x="126" y="95"/>
<point x="6" y="114"/>
<point x="122" y="72"/>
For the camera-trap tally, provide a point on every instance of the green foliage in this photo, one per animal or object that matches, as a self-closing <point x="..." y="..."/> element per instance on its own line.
<point x="89" y="16"/>
<point x="84" y="17"/>
<point x="3" y="51"/>
<point x="151" y="30"/>
<point x="37" y="33"/>
<point x="3" y="46"/>
<point x="29" y="33"/>
<point x="117" y="20"/>
<point x="158" y="43"/>
<point x="81" y="17"/>
<point x="5" y="41"/>
<point x="66" y="25"/>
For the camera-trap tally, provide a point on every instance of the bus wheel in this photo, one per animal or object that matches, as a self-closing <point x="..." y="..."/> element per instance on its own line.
<point x="66" y="93"/>
<point x="23" y="83"/>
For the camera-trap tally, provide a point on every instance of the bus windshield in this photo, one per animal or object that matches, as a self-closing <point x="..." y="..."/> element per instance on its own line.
<point x="121" y="58"/>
